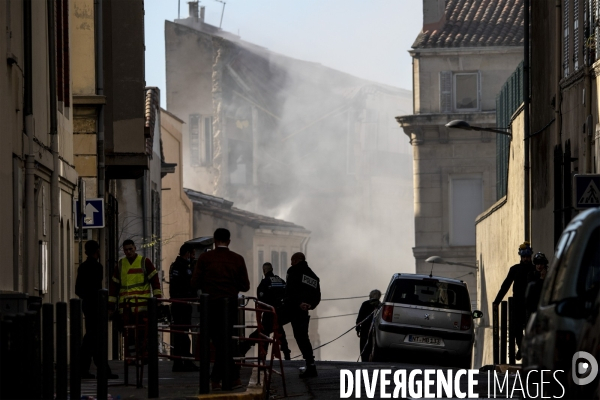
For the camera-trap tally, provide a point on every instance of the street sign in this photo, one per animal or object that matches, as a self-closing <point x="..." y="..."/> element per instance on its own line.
<point x="93" y="213"/>
<point x="586" y="188"/>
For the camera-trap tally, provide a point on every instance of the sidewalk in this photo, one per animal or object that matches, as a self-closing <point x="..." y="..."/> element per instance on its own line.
<point x="172" y="385"/>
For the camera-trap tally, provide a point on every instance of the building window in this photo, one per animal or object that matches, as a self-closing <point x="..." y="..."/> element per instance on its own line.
<point x="275" y="262"/>
<point x="207" y="158"/>
<point x="240" y="162"/>
<point x="195" y="140"/>
<point x="261" y="261"/>
<point x="459" y="91"/>
<point x="284" y="263"/>
<point x="466" y="203"/>
<point x="576" y="49"/>
<point x="566" y="37"/>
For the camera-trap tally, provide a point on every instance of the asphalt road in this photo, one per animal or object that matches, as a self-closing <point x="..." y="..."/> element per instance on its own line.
<point x="327" y="384"/>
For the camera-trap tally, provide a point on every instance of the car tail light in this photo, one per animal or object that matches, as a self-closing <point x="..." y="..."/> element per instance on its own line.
<point x="388" y="313"/>
<point x="564" y="349"/>
<point x="465" y="322"/>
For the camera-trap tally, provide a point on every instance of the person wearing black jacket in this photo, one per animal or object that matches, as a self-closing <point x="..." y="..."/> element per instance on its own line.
<point x="302" y="293"/>
<point x="362" y="329"/>
<point x="518" y="276"/>
<point x="534" y="289"/>
<point x="271" y="291"/>
<point x="88" y="283"/>
<point x="180" y="278"/>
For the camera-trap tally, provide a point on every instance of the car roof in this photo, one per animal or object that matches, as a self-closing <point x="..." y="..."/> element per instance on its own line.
<point x="421" y="276"/>
<point x="583" y="218"/>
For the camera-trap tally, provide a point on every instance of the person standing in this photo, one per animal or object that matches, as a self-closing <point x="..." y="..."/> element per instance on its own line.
<point x="271" y="291"/>
<point x="362" y="329"/>
<point x="518" y="276"/>
<point x="89" y="281"/>
<point x="180" y="280"/>
<point x="302" y="293"/>
<point x="134" y="281"/>
<point x="222" y="274"/>
<point x="534" y="289"/>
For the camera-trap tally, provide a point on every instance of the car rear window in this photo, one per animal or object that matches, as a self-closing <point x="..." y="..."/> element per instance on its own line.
<point x="430" y="293"/>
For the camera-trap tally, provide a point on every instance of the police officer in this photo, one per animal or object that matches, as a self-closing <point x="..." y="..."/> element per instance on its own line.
<point x="271" y="291"/>
<point x="180" y="278"/>
<point x="362" y="329"/>
<point x="302" y="293"/>
<point x="518" y="276"/>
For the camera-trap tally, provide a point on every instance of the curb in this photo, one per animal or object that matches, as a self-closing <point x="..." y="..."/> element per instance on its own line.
<point x="254" y="391"/>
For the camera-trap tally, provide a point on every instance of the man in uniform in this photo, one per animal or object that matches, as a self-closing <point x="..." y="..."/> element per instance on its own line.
<point x="518" y="276"/>
<point x="362" y="329"/>
<point x="134" y="278"/>
<point x="180" y="280"/>
<point x="221" y="274"/>
<point x="271" y="291"/>
<point x="89" y="282"/>
<point x="302" y="293"/>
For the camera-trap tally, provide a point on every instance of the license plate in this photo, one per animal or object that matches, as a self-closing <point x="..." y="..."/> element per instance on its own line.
<point x="424" y="340"/>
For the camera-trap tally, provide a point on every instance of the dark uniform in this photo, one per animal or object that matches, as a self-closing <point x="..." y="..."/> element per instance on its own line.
<point x="89" y="281"/>
<point x="366" y="310"/>
<point x="271" y="290"/>
<point x="519" y="277"/>
<point x="302" y="286"/>
<point x="180" y="278"/>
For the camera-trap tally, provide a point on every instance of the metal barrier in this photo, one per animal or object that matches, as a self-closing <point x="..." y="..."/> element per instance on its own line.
<point x="504" y="332"/>
<point x="261" y="308"/>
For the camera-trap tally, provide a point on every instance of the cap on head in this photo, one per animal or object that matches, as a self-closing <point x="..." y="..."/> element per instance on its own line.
<point x="375" y="294"/>
<point x="540" y="259"/>
<point x="525" y="249"/>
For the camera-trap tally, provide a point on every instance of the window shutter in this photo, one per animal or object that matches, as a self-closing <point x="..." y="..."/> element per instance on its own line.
<point x="446" y="91"/>
<point x="194" y="127"/>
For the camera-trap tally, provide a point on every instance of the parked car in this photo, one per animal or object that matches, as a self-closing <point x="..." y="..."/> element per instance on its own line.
<point x="426" y="315"/>
<point x="564" y="320"/>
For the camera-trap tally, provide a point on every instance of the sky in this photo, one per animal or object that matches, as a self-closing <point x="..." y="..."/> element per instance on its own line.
<point x="366" y="38"/>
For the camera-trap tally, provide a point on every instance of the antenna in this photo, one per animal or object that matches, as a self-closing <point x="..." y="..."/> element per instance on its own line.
<point x="431" y="273"/>
<point x="222" y="12"/>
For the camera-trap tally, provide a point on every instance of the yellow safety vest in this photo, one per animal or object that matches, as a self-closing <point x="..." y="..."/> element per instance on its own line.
<point x="134" y="283"/>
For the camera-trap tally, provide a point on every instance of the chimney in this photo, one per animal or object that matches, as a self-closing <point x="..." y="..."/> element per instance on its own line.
<point x="193" y="9"/>
<point x="202" y="13"/>
<point x="434" y="14"/>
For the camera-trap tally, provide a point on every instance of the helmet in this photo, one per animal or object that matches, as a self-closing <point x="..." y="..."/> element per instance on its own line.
<point x="540" y="258"/>
<point x="525" y="249"/>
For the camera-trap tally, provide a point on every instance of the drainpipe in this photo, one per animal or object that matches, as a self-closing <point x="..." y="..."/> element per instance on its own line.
<point x="55" y="199"/>
<point x="558" y="66"/>
<point x="527" y="201"/>
<point x="29" y="262"/>
<point x="100" y="92"/>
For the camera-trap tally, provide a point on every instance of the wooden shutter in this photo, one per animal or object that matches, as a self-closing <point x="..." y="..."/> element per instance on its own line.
<point x="576" y="49"/>
<point x="566" y="38"/>
<point x="446" y="91"/>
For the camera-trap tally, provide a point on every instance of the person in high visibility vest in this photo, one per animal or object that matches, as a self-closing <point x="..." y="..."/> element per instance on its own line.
<point x="133" y="282"/>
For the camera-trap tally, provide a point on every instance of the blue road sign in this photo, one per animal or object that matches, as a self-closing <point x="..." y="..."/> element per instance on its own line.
<point x="93" y="213"/>
<point x="586" y="189"/>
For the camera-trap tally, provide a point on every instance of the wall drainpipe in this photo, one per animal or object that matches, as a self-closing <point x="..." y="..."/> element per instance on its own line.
<point x="29" y="262"/>
<point x="55" y="188"/>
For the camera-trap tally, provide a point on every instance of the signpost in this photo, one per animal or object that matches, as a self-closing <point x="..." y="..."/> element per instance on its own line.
<point x="92" y="215"/>
<point x="586" y="191"/>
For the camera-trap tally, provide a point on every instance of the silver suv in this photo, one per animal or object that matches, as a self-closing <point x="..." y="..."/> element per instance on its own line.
<point x="425" y="314"/>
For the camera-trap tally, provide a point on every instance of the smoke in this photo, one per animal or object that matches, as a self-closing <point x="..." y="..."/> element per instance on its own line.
<point x="310" y="145"/>
<point x="335" y="161"/>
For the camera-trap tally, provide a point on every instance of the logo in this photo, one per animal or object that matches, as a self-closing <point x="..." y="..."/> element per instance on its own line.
<point x="309" y="281"/>
<point x="426" y="316"/>
<point x="587" y="370"/>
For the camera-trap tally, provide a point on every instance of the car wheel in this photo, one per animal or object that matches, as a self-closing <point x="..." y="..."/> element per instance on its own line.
<point x="377" y="354"/>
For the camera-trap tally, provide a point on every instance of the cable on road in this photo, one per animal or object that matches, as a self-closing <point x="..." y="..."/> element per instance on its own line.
<point x="346" y="298"/>
<point x="334" y="316"/>
<point x="331" y="341"/>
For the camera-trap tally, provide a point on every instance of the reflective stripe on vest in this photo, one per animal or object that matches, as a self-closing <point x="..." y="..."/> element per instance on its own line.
<point x="134" y="283"/>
